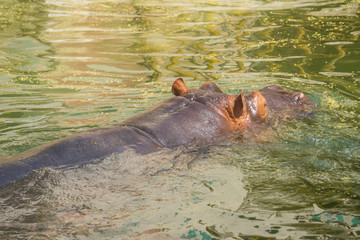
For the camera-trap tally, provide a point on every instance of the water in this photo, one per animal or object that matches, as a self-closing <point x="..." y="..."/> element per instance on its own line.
<point x="67" y="66"/>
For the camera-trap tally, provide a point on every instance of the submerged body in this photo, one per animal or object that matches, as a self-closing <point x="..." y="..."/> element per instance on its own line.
<point x="193" y="114"/>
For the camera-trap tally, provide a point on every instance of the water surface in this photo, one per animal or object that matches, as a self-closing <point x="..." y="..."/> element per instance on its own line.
<point x="67" y="66"/>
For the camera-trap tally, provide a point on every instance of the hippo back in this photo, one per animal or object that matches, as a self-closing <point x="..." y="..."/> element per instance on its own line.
<point x="180" y="120"/>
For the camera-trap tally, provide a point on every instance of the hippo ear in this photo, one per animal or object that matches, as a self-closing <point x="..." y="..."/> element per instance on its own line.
<point x="179" y="88"/>
<point x="258" y="107"/>
<point x="239" y="106"/>
<point x="210" y="86"/>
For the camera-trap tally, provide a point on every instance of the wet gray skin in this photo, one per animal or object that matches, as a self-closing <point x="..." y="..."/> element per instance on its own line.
<point x="193" y="114"/>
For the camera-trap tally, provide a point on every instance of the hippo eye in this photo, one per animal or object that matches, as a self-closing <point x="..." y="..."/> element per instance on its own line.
<point x="299" y="96"/>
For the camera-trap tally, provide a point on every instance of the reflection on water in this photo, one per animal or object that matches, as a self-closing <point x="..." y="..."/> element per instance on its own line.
<point x="123" y="195"/>
<point x="186" y="193"/>
<point x="66" y="66"/>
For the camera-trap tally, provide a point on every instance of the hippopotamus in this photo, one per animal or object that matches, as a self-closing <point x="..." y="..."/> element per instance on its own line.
<point x="191" y="115"/>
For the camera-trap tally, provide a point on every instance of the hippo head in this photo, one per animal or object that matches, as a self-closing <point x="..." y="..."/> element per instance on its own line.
<point x="286" y="102"/>
<point x="239" y="110"/>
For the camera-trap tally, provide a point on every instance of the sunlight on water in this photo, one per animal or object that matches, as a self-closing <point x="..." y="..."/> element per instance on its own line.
<point x="67" y="66"/>
<point x="127" y="195"/>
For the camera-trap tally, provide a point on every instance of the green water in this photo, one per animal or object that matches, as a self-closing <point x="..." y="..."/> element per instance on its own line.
<point x="67" y="66"/>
